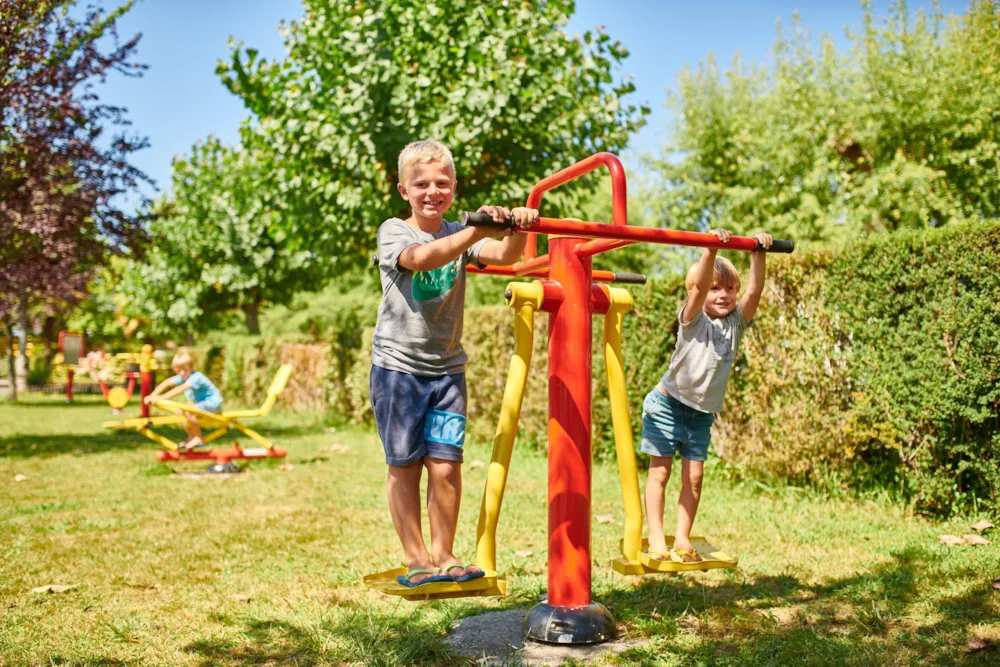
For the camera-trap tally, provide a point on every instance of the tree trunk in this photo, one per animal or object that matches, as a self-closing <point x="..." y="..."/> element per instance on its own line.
<point x="253" y="317"/>
<point x="11" y="369"/>
<point x="50" y="332"/>
<point x="21" y="365"/>
<point x="189" y="339"/>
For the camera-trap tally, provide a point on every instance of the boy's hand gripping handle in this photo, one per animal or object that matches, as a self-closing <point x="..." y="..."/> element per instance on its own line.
<point x="484" y="220"/>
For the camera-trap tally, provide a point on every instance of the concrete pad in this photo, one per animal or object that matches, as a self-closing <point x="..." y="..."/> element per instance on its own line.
<point x="497" y="638"/>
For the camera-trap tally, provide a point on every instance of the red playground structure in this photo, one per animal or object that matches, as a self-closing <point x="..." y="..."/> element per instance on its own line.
<point x="570" y="615"/>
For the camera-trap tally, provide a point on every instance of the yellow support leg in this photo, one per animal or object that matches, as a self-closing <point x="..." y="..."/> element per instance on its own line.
<point x="628" y="471"/>
<point x="525" y="299"/>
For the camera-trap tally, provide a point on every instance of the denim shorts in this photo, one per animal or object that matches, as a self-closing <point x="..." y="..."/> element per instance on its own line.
<point x="209" y="406"/>
<point x="418" y="416"/>
<point x="669" y="426"/>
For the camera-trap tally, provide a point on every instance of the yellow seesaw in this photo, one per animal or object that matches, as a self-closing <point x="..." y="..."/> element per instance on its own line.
<point x="220" y="424"/>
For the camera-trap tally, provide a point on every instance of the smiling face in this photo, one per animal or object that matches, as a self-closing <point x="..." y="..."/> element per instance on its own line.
<point x="721" y="300"/>
<point x="429" y="188"/>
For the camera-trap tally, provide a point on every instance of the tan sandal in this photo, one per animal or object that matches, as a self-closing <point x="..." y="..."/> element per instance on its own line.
<point x="684" y="556"/>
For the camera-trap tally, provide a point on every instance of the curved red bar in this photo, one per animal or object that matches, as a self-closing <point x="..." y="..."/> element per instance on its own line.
<point x="619" y="196"/>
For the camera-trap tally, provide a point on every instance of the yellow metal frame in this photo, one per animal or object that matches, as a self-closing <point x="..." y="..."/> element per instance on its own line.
<point x="635" y="557"/>
<point x="221" y="423"/>
<point x="525" y="299"/>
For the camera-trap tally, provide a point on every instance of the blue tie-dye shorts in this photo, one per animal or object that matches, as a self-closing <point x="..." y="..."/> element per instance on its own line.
<point x="418" y="416"/>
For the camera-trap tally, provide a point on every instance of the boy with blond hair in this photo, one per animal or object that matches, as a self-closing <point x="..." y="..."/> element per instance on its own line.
<point x="677" y="414"/>
<point x="197" y="389"/>
<point x="417" y="383"/>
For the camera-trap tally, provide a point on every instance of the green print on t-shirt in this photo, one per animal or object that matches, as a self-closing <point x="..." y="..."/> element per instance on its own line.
<point x="433" y="284"/>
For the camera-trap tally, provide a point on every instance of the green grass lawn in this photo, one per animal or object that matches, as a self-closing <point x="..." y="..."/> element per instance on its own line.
<point x="264" y="567"/>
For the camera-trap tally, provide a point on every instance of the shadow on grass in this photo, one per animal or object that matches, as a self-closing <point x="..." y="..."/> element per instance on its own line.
<point x="354" y="637"/>
<point x="55" y="444"/>
<point x="873" y="617"/>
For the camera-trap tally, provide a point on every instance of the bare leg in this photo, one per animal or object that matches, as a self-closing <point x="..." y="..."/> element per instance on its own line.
<point x="444" y="498"/>
<point x="403" y="490"/>
<point x="656" y="483"/>
<point x="691" y="476"/>
<point x="193" y="429"/>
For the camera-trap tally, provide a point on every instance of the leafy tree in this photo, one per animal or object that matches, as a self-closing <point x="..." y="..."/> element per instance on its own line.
<point x="215" y="246"/>
<point x="60" y="171"/>
<point x="899" y="132"/>
<point x="500" y="83"/>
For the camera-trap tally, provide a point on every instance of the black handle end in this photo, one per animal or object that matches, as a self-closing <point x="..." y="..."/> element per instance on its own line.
<point x="779" y="245"/>
<point x="630" y="278"/>
<point x="484" y="220"/>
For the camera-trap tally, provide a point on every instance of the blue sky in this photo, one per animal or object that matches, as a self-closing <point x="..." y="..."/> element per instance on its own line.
<point x="180" y="99"/>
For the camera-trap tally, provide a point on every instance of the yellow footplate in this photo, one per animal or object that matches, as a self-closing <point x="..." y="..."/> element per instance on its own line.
<point x="385" y="582"/>
<point x="711" y="558"/>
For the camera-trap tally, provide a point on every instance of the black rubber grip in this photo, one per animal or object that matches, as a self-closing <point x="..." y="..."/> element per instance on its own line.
<point x="375" y="261"/>
<point x="630" y="278"/>
<point x="779" y="245"/>
<point x="485" y="220"/>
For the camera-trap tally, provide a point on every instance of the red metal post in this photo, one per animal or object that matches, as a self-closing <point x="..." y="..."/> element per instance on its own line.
<point x="145" y="389"/>
<point x="69" y="385"/>
<point x="569" y="428"/>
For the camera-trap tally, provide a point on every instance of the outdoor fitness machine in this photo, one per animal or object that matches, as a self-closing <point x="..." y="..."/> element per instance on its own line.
<point x="569" y="293"/>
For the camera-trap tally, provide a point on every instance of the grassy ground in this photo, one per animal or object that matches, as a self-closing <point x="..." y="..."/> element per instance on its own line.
<point x="264" y="568"/>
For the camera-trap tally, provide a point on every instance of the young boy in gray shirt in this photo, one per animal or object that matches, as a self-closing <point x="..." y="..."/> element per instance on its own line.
<point x="417" y="382"/>
<point x="677" y="414"/>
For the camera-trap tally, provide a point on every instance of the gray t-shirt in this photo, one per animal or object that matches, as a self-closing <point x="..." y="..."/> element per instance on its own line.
<point x="703" y="358"/>
<point x="419" y="326"/>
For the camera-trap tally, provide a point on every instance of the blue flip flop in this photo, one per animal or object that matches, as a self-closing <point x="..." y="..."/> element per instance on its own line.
<point x="464" y="577"/>
<point x="438" y="577"/>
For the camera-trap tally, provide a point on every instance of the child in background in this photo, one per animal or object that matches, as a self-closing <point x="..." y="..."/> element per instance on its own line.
<point x="198" y="390"/>
<point x="677" y="414"/>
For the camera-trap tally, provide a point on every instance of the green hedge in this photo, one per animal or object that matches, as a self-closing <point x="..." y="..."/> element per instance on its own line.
<point x="879" y="365"/>
<point x="874" y="366"/>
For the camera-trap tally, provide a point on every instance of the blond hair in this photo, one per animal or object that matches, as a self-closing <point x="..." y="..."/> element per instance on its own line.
<point x="724" y="274"/>
<point x="422" y="152"/>
<point x="182" y="359"/>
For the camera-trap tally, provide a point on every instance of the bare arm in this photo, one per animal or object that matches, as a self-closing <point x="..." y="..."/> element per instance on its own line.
<point x="758" y="275"/>
<point x="433" y="255"/>
<point x="703" y="277"/>
<point x="169" y="382"/>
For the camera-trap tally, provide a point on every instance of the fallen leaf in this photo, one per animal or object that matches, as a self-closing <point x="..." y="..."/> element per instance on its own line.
<point x="53" y="588"/>
<point x="242" y="597"/>
<point x="19" y="478"/>
<point x="287" y="466"/>
<point x="655" y="615"/>
<point x="604" y="518"/>
<point x="331" y="429"/>
<point x="980" y="526"/>
<point x="145" y="587"/>
<point x="524" y="553"/>
<point x="996" y="583"/>
<point x="476" y="464"/>
<point x="976" y="540"/>
<point x="340" y="448"/>
<point x="950" y="540"/>
<point x="977" y="644"/>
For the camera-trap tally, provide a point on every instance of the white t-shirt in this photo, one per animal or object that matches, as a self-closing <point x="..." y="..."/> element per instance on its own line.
<point x="699" y="370"/>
